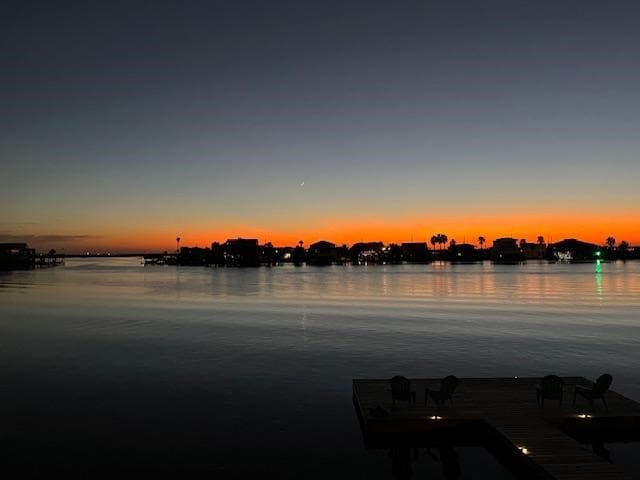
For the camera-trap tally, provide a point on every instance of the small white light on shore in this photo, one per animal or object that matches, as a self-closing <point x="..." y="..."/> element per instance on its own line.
<point x="436" y="417"/>
<point x="584" y="415"/>
<point x="524" y="450"/>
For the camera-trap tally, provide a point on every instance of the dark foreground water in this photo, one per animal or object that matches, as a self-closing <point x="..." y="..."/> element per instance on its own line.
<point x="110" y="366"/>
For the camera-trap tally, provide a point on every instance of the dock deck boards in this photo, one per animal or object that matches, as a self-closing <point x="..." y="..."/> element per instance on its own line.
<point x="509" y="406"/>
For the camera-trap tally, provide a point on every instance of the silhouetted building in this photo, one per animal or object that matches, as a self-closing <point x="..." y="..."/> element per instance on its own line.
<point x="415" y="252"/>
<point x="392" y="253"/>
<point x="298" y="255"/>
<point x="322" y="253"/>
<point x="269" y="255"/>
<point x="362" y="253"/>
<point x="16" y="256"/>
<point x="216" y="257"/>
<point x="241" y="252"/>
<point x="533" y="251"/>
<point x="506" y="250"/>
<point x="573" y="250"/>
<point x="463" y="252"/>
<point x="285" y="254"/>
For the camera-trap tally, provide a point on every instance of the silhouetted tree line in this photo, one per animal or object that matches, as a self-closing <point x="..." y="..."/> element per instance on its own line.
<point x="242" y="252"/>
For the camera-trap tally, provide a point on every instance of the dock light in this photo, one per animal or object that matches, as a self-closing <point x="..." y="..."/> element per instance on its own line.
<point x="524" y="450"/>
<point x="584" y="415"/>
<point x="436" y="417"/>
<point x="598" y="253"/>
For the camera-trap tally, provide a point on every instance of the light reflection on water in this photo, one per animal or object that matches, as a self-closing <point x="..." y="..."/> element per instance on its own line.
<point x="271" y="352"/>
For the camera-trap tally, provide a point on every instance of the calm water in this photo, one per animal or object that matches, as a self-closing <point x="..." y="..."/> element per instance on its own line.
<point x="106" y="364"/>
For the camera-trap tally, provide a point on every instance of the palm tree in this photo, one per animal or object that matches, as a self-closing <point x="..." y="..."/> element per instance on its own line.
<point x="540" y="240"/>
<point x="442" y="240"/>
<point x="177" y="244"/>
<point x="611" y="242"/>
<point x="481" y="241"/>
<point x="434" y="240"/>
<point x="300" y="243"/>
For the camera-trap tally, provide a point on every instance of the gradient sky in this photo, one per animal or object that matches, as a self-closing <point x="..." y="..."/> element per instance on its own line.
<point x="124" y="123"/>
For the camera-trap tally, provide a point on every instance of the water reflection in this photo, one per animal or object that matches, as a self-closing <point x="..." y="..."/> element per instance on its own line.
<point x="599" y="278"/>
<point x="229" y="360"/>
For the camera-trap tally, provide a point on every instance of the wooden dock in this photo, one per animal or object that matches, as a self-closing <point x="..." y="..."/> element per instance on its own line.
<point x="504" y="412"/>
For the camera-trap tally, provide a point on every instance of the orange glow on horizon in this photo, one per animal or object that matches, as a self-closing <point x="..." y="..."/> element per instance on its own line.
<point x="462" y="229"/>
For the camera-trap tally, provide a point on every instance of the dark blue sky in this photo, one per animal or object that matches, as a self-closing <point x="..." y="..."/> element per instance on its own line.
<point x="141" y="117"/>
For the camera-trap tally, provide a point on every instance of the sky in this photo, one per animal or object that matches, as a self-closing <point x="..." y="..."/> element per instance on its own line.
<point x="124" y="124"/>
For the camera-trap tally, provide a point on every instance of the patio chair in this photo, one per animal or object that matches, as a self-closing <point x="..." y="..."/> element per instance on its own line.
<point x="401" y="390"/>
<point x="596" y="392"/>
<point x="448" y="386"/>
<point x="550" y="388"/>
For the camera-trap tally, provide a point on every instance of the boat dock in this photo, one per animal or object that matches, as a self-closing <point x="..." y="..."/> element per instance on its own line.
<point x="554" y="441"/>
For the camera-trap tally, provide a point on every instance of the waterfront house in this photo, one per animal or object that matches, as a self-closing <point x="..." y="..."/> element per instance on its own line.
<point x="533" y="251"/>
<point x="574" y="250"/>
<point x="322" y="253"/>
<point x="463" y="252"/>
<point x="362" y="253"/>
<point x="506" y="250"/>
<point x="241" y="252"/>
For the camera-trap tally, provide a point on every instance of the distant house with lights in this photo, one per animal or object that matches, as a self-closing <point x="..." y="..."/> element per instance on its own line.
<point x="241" y="252"/>
<point x="506" y="250"/>
<point x="362" y="253"/>
<point x="573" y="250"/>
